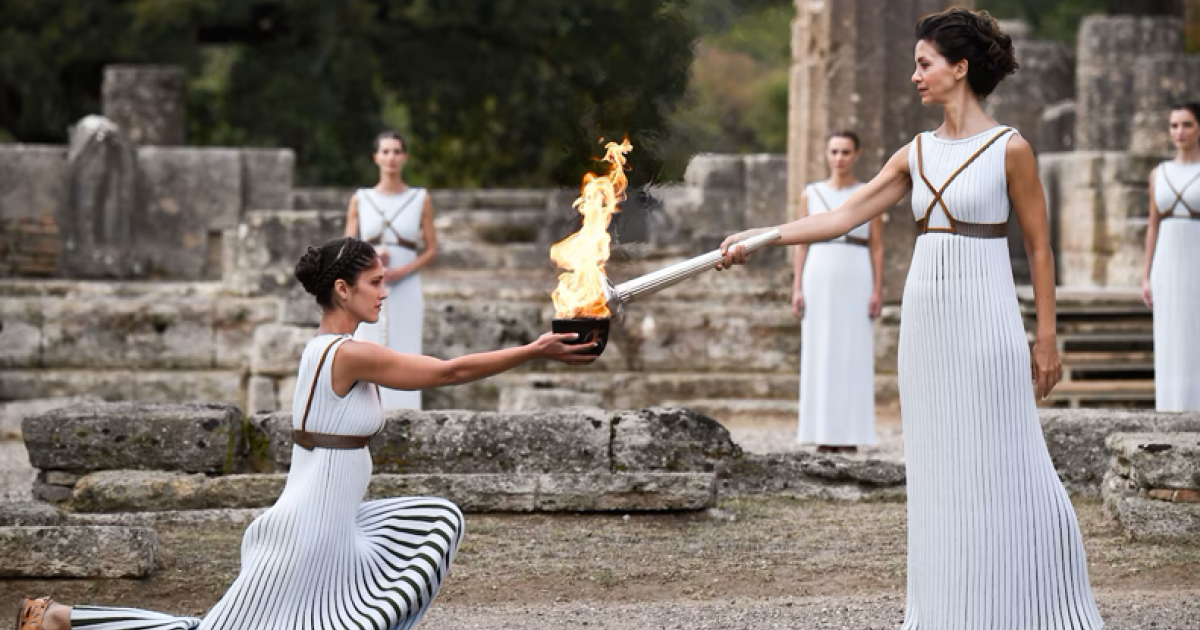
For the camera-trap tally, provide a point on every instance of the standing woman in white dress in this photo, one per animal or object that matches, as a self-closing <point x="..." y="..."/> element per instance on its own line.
<point x="398" y="220"/>
<point x="321" y="557"/>
<point x="993" y="541"/>
<point x="837" y="292"/>
<point x="1171" y="277"/>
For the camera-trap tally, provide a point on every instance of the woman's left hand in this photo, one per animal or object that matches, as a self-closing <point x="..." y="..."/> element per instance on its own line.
<point x="1047" y="367"/>
<point x="876" y="305"/>
<point x="393" y="275"/>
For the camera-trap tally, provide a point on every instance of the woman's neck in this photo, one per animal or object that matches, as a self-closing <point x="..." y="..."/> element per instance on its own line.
<point x="391" y="184"/>
<point x="1188" y="155"/>
<point x="337" y="322"/>
<point x="963" y="117"/>
<point x="838" y="181"/>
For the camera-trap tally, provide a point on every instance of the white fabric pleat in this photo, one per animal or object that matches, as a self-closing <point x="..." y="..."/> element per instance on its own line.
<point x="993" y="542"/>
<point x="1175" y="287"/>
<point x="401" y="323"/>
<point x="837" y="352"/>
<point x="321" y="558"/>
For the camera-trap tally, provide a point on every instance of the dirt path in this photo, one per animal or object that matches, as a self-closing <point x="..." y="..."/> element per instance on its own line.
<point x="758" y="563"/>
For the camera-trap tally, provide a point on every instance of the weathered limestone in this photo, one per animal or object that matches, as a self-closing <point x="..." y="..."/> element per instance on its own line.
<point x="77" y="552"/>
<point x="665" y="439"/>
<point x="808" y="475"/>
<point x="1057" y="127"/>
<point x="150" y="385"/>
<point x="1046" y="77"/>
<point x="1153" y="486"/>
<point x="1110" y="48"/>
<point x="29" y="514"/>
<point x="1098" y="211"/>
<point x="1160" y="82"/>
<point x="191" y="437"/>
<point x="15" y="412"/>
<point x="32" y="194"/>
<point x="267" y="245"/>
<point x="96" y="222"/>
<point x="148" y="102"/>
<point x="1076" y="439"/>
<point x="533" y="398"/>
<point x="621" y="492"/>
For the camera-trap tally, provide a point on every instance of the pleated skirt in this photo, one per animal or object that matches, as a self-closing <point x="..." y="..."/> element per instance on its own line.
<point x="837" y="349"/>
<point x="1175" y="285"/>
<point x="993" y="542"/>
<point x="321" y="559"/>
<point x="400" y="326"/>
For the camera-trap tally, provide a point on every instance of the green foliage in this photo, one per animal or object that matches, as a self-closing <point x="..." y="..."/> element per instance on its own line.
<point x="1050" y="19"/>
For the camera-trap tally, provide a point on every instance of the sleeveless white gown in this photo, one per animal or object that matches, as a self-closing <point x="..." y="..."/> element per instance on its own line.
<point x="1175" y="288"/>
<point x="992" y="537"/>
<point x="321" y="557"/>
<point x="837" y="345"/>
<point x="402" y="320"/>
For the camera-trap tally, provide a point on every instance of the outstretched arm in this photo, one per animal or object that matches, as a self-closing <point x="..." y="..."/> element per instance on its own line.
<point x="868" y="202"/>
<point x="1029" y="200"/>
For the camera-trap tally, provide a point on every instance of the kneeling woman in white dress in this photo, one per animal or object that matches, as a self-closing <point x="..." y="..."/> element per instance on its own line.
<point x="398" y="220"/>
<point x="837" y="292"/>
<point x="321" y="557"/>
<point x="1171" y="277"/>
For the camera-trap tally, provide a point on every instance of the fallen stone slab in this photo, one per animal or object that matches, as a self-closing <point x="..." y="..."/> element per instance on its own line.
<point x="161" y="491"/>
<point x="1076" y="439"/>
<point x="29" y="513"/>
<point x="13" y="413"/>
<point x="1147" y="518"/>
<point x="669" y="440"/>
<point x="809" y="475"/>
<point x="77" y="552"/>
<point x="217" y="517"/>
<point x="190" y="437"/>
<point x="1157" y="460"/>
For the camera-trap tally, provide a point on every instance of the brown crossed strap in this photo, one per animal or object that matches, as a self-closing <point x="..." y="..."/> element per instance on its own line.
<point x="962" y="228"/>
<point x="853" y="240"/>
<point x="387" y="223"/>
<point x="1179" y="194"/>
<point x="32" y="613"/>
<point x="309" y="440"/>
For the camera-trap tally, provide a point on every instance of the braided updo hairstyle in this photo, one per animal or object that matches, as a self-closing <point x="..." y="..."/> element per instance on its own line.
<point x="959" y="34"/>
<point x="338" y="259"/>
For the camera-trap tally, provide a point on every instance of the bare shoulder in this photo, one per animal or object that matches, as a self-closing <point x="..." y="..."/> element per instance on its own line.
<point x="899" y="159"/>
<point x="1018" y="153"/>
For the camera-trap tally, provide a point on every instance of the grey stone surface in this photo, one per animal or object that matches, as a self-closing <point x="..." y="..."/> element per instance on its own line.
<point x="21" y="322"/>
<point x="621" y="492"/>
<point x="454" y="328"/>
<point x="141" y="332"/>
<point x="148" y="102"/>
<point x="533" y="399"/>
<point x="29" y="514"/>
<point x="262" y="396"/>
<point x="809" y="475"/>
<point x="1046" y="77"/>
<point x="267" y="179"/>
<point x="1148" y="519"/>
<point x="1160" y="82"/>
<point x="669" y="440"/>
<point x="13" y="413"/>
<point x="1057" y="127"/>
<point x="31" y="180"/>
<point x="1109" y="50"/>
<point x="1157" y="460"/>
<point x="158" y="491"/>
<point x="277" y="349"/>
<point x="77" y="552"/>
<point x="268" y="244"/>
<point x="97" y="223"/>
<point x="189" y="437"/>
<point x="1076" y="439"/>
<point x="470" y="492"/>
<point x="189" y="197"/>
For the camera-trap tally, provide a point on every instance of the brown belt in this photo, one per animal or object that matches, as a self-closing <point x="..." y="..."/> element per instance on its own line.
<point x="309" y="440"/>
<point x="964" y="228"/>
<point x="400" y="242"/>
<point x="1194" y="217"/>
<point x="850" y="240"/>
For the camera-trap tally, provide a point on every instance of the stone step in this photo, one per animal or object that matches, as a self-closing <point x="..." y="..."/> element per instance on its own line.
<point x="158" y="491"/>
<point x="1080" y="393"/>
<point x="1157" y="460"/>
<point x="744" y="413"/>
<point x="68" y="551"/>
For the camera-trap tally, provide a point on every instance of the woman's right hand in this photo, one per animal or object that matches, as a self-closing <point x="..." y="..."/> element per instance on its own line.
<point x="735" y="255"/>
<point x="1147" y="294"/>
<point x="554" y="346"/>
<point x="798" y="302"/>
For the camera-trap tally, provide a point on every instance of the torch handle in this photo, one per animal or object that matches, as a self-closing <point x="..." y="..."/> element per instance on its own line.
<point x="656" y="281"/>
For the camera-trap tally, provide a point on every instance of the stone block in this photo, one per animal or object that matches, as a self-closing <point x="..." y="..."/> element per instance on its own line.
<point x="278" y="348"/>
<point x="77" y="552"/>
<point x="323" y="199"/>
<point x="1047" y="77"/>
<point x="149" y="102"/>
<point x="234" y="323"/>
<point x="268" y="245"/>
<point x="31" y="181"/>
<point x="98" y="221"/>
<point x="808" y="475"/>
<point x="20" y="332"/>
<point x="535" y="399"/>
<point x="261" y="396"/>
<point x="285" y="390"/>
<point x="668" y="440"/>
<point x="187" y="437"/>
<point x="1157" y="460"/>
<point x="1160" y="81"/>
<point x="14" y="412"/>
<point x="29" y="514"/>
<point x="133" y="332"/>
<point x="1056" y="129"/>
<point x="1147" y="519"/>
<point x="454" y="328"/>
<point x="471" y="492"/>
<point x="161" y="491"/>
<point x="115" y="385"/>
<point x="267" y="179"/>
<point x="626" y="492"/>
<point x="1076" y="438"/>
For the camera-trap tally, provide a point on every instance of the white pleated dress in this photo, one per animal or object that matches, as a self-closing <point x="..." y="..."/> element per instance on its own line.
<point x="837" y="347"/>
<point x="993" y="542"/>
<point x="321" y="558"/>
<point x="389" y="218"/>
<point x="1175" y="287"/>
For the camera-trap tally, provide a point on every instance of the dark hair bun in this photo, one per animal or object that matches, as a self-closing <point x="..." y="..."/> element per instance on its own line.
<point x="308" y="270"/>
<point x="960" y="33"/>
<point x="338" y="259"/>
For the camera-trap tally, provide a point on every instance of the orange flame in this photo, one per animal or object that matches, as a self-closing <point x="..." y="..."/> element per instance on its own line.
<point x="580" y="291"/>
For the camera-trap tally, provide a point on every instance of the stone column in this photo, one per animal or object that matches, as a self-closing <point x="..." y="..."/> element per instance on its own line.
<point x="851" y="66"/>
<point x="147" y="102"/>
<point x="1109" y="51"/>
<point x="95" y="224"/>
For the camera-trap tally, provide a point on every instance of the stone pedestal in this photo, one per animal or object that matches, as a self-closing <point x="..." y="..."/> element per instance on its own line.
<point x="851" y="63"/>
<point x="147" y="102"/>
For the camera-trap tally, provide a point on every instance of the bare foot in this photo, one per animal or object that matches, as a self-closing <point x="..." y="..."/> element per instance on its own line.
<point x="58" y="617"/>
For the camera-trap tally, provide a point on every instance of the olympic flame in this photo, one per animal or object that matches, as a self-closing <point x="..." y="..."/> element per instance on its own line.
<point x="582" y="255"/>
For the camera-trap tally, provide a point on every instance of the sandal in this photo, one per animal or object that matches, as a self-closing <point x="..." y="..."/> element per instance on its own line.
<point x="32" y="612"/>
